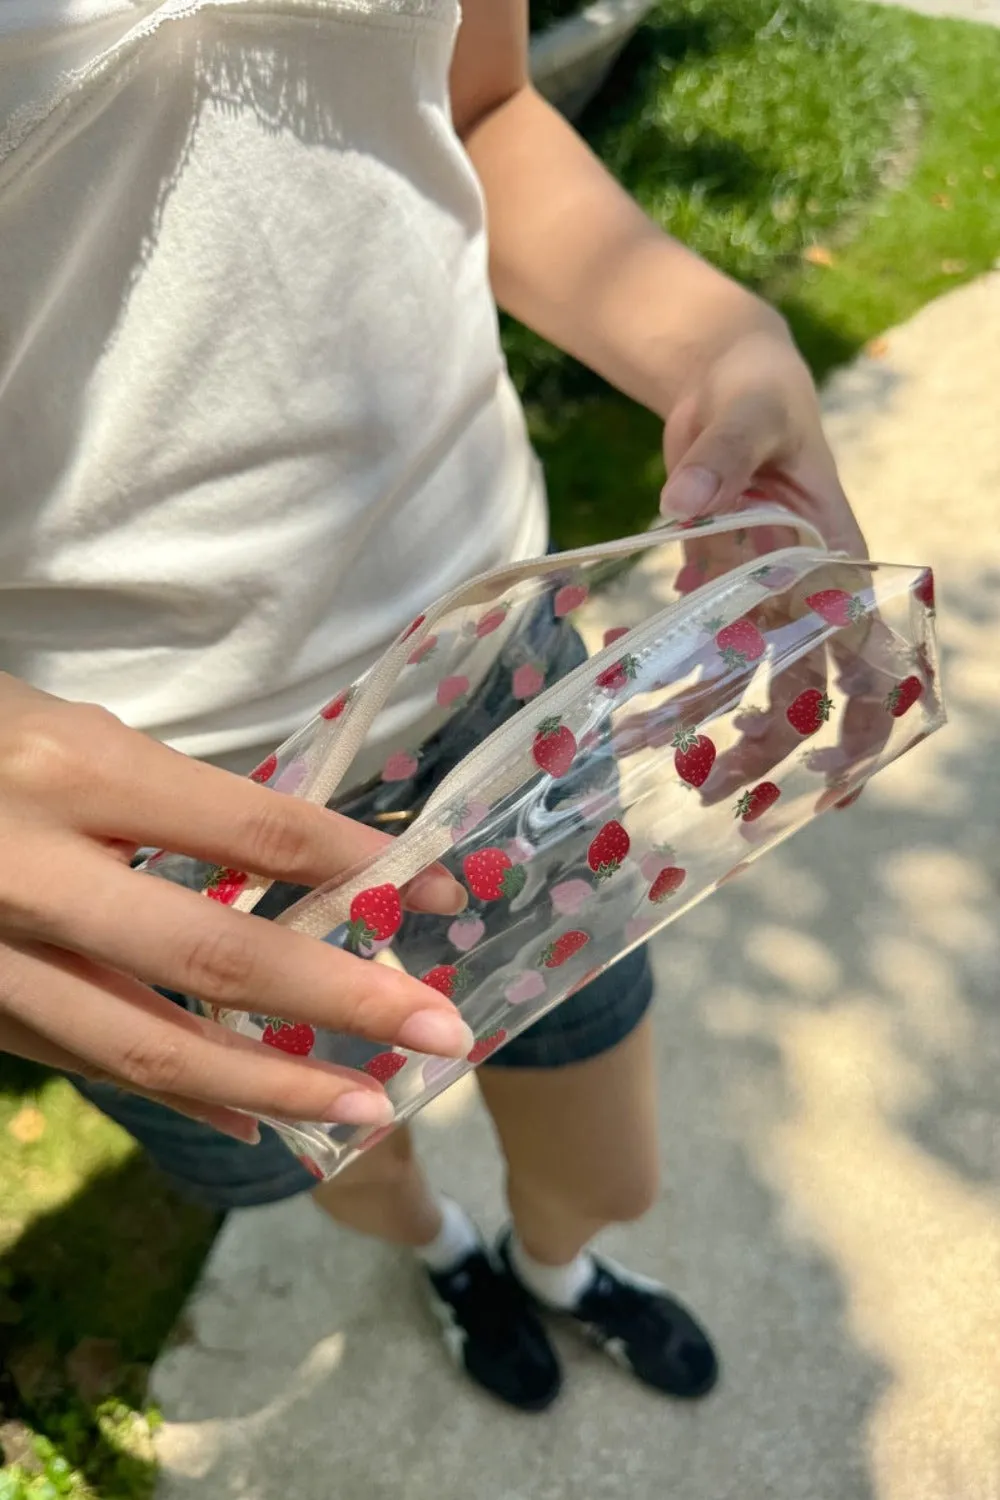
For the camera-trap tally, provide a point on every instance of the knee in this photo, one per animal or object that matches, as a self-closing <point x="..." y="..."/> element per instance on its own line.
<point x="628" y="1197"/>
<point x="619" y="1198"/>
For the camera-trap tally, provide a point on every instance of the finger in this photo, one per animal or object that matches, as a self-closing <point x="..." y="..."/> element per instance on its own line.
<point x="130" y="1033"/>
<point x="172" y="937"/>
<point x="721" y="462"/>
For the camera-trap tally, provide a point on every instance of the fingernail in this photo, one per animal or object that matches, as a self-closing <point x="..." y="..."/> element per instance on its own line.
<point x="360" y="1107"/>
<point x="440" y="1032"/>
<point x="439" y="892"/>
<point x="689" y="492"/>
<point x="850" y="801"/>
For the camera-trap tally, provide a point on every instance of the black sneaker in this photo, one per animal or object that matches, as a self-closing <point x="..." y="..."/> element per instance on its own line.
<point x="492" y="1330"/>
<point x="640" y="1326"/>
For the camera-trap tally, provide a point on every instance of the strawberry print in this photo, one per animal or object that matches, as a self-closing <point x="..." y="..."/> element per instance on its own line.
<point x="436" y="1069"/>
<point x="740" y="643"/>
<point x="557" y="953"/>
<point x="490" y="874"/>
<point x="376" y="914"/>
<point x="519" y="850"/>
<point x="614" y="634"/>
<point x="666" y="883"/>
<point x="451" y="691"/>
<point x="923" y="590"/>
<point x="467" y="816"/>
<point x="607" y="850"/>
<point x="569" y="597"/>
<point x="291" y="778"/>
<point x="836" y="606"/>
<point x="423" y="651"/>
<point x="569" y="895"/>
<point x="809" y="712"/>
<point x="618" y="675"/>
<point x="492" y="620"/>
<point x="225" y="885"/>
<point x="413" y="626"/>
<point x="263" y="773"/>
<point x="447" y="979"/>
<point x="289" y="1036"/>
<point x="336" y="706"/>
<point x="554" y="747"/>
<point x="525" y="987"/>
<point x="384" y="1066"/>
<point x="527" y="681"/>
<point x="466" y="931"/>
<point x="636" y="928"/>
<point x="656" y="860"/>
<point x="780" y="577"/>
<point x="485" y="1045"/>
<point x="757" y="801"/>
<point x="694" y="757"/>
<point x="400" y="766"/>
<point x="902" y="697"/>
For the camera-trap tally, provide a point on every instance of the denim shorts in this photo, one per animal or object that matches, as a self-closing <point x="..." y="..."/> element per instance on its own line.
<point x="225" y="1174"/>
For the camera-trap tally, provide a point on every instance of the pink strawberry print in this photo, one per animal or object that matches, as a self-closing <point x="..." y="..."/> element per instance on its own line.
<point x="694" y="756"/>
<point x="436" y="1069"/>
<point x="618" y="676"/>
<point x="384" y="1066"/>
<point x="614" y="634"/>
<point x="636" y="928"/>
<point x="466" y="931"/>
<point x="657" y="860"/>
<point x="923" y="590"/>
<point x="557" y="953"/>
<point x="836" y="606"/>
<point x="809" y="712"/>
<point x="608" y="848"/>
<point x="490" y="874"/>
<point x="413" y="626"/>
<point x="902" y="697"/>
<point x="527" y="681"/>
<point x="451" y="691"/>
<point x="336" y="706"/>
<point x="263" y="773"/>
<point x="554" y="747"/>
<point x="740" y="643"/>
<point x="225" y="885"/>
<point x="292" y="776"/>
<point x="666" y="883"/>
<point x="400" y="766"/>
<point x="289" y="1036"/>
<point x="447" y="979"/>
<point x="485" y="1045"/>
<point x="519" y="850"/>
<point x="569" y="895"/>
<point x="467" y="816"/>
<point x="423" y="651"/>
<point x="780" y="577"/>
<point x="569" y="597"/>
<point x="754" y="803"/>
<point x="376" y="914"/>
<point x="525" y="987"/>
<point x="492" y="620"/>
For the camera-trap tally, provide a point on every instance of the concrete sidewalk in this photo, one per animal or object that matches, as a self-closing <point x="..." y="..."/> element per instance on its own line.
<point x="829" y="1054"/>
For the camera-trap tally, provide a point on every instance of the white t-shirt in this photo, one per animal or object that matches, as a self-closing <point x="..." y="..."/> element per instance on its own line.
<point x="253" y="409"/>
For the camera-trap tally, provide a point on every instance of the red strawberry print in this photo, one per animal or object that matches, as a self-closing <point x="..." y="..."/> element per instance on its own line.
<point x="554" y="747"/>
<point x="569" y="597"/>
<point x="384" y="1066"/>
<point x="289" y="1036"/>
<point x="614" y="634"/>
<point x="400" y="766"/>
<point x="836" y="606"/>
<point x="491" y="873"/>
<point x="694" y="756"/>
<point x="618" y="675"/>
<point x="492" y="620"/>
<point x="486" y="1045"/>
<point x="265" y="770"/>
<point x="336" y="706"/>
<point x="740" y="643"/>
<point x="376" y="914"/>
<point x="225" y="885"/>
<point x="757" y="801"/>
<point x="902" y="697"/>
<point x="608" y="849"/>
<point x="666" y="883"/>
<point x="413" y="626"/>
<point x="563" y="948"/>
<point x="311" y="1167"/>
<point x="447" y="979"/>
<point x="923" y="590"/>
<point x="451" y="691"/>
<point x="809" y="712"/>
<point x="528" y="679"/>
<point x="423" y="651"/>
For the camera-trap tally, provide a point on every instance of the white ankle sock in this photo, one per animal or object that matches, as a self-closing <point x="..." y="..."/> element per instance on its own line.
<point x="556" y="1286"/>
<point x="456" y="1238"/>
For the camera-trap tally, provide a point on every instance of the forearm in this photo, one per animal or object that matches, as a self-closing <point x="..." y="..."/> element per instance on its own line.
<point x="573" y="256"/>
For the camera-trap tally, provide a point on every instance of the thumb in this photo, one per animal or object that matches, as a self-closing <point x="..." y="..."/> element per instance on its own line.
<point x="721" y="462"/>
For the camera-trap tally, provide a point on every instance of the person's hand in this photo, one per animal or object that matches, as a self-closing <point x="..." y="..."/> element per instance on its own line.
<point x="83" y="936"/>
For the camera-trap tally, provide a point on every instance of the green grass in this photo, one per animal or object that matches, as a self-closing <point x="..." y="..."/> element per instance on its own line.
<point x="754" y="141"/>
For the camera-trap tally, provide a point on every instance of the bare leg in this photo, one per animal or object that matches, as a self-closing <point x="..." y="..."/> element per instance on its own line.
<point x="384" y="1194"/>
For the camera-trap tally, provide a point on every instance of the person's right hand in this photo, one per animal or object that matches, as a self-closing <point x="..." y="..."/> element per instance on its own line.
<point x="83" y="936"/>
